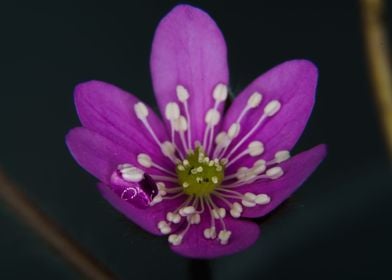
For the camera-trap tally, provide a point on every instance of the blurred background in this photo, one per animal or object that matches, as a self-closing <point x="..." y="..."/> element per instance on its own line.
<point x="337" y="226"/>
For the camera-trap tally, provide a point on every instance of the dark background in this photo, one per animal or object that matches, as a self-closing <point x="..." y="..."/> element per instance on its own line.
<point x="337" y="226"/>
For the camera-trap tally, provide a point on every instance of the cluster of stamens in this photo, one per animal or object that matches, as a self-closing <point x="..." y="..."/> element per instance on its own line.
<point x="198" y="176"/>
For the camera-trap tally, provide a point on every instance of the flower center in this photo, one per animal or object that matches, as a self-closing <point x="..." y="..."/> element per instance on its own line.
<point x="199" y="175"/>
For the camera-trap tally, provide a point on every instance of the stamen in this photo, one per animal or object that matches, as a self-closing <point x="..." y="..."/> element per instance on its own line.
<point x="183" y="95"/>
<point x="130" y="173"/>
<point x="270" y="110"/>
<point x="146" y="161"/>
<point x="255" y="148"/>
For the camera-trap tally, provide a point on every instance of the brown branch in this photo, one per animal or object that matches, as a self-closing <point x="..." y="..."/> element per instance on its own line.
<point x="379" y="62"/>
<point x="50" y="232"/>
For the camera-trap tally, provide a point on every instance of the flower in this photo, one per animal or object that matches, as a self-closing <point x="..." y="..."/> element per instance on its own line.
<point x="198" y="175"/>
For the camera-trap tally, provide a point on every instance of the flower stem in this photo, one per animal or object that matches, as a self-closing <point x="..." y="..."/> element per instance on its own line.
<point x="377" y="47"/>
<point x="49" y="231"/>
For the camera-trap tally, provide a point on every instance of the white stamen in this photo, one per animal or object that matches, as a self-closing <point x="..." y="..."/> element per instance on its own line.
<point x="186" y="211"/>
<point x="156" y="200"/>
<point x="175" y="239"/>
<point x="220" y="93"/>
<point x="259" y="168"/>
<point x="274" y="172"/>
<point x="236" y="210"/>
<point x="272" y="108"/>
<point x="185" y="185"/>
<point x="141" y="110"/>
<point x="224" y="236"/>
<point x="194" y="219"/>
<point x="168" y="149"/>
<point x="254" y="100"/>
<point x="214" y="179"/>
<point x="210" y="233"/>
<point x="172" y="111"/>
<point x="212" y="117"/>
<point x="164" y="227"/>
<point x="222" y="139"/>
<point x="234" y="130"/>
<point x="255" y="148"/>
<point x="180" y="124"/>
<point x="219" y="213"/>
<point x="262" y="199"/>
<point x="282" y="156"/>
<point x="130" y="173"/>
<point x="173" y="217"/>
<point x="182" y="93"/>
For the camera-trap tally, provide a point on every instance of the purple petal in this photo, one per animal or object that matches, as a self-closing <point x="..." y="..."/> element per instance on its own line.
<point x="189" y="50"/>
<point x="297" y="170"/>
<point x="109" y="111"/>
<point x="194" y="245"/>
<point x="97" y="154"/>
<point x="145" y="218"/>
<point x="293" y="84"/>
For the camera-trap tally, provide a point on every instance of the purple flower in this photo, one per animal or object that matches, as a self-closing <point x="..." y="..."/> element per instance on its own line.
<point x="201" y="173"/>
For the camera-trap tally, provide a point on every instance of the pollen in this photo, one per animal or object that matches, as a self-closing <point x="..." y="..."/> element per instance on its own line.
<point x="197" y="175"/>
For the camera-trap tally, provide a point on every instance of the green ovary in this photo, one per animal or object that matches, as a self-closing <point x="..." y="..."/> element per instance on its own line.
<point x="198" y="175"/>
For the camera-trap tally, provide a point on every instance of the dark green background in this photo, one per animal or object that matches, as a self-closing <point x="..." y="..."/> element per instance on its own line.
<point x="337" y="226"/>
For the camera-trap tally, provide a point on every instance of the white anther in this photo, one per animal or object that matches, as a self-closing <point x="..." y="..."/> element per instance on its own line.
<point x="186" y="211"/>
<point x="272" y="108"/>
<point x="224" y="236"/>
<point x="222" y="139"/>
<point x="194" y="219"/>
<point x="219" y="213"/>
<point x="259" y="162"/>
<point x="185" y="162"/>
<point x="241" y="172"/>
<point x="199" y="169"/>
<point x="220" y="92"/>
<point x="255" y="148"/>
<point x="214" y="179"/>
<point x="224" y="161"/>
<point x="172" y="111"/>
<point x="258" y="169"/>
<point x="168" y="149"/>
<point x="182" y="93"/>
<point x="130" y="173"/>
<point x="181" y="167"/>
<point x="156" y="200"/>
<point x="236" y="210"/>
<point x="212" y="117"/>
<point x="185" y="185"/>
<point x="164" y="227"/>
<point x="180" y="124"/>
<point x="234" y="129"/>
<point x="262" y="199"/>
<point x="161" y="185"/>
<point x="162" y="192"/>
<point x="210" y="233"/>
<point x="175" y="239"/>
<point x="144" y="160"/>
<point x="173" y="217"/>
<point x="254" y="100"/>
<point x="274" y="172"/>
<point x="282" y="156"/>
<point x="140" y="110"/>
<point x="249" y="199"/>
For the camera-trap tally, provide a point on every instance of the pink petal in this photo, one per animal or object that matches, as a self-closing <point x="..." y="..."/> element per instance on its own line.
<point x="97" y="154"/>
<point x="293" y="84"/>
<point x="297" y="170"/>
<point x="108" y="110"/>
<point x="147" y="219"/>
<point x="189" y="50"/>
<point x="195" y="245"/>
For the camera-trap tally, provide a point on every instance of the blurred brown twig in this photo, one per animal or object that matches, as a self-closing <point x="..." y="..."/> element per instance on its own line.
<point x="49" y="231"/>
<point x="377" y="47"/>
